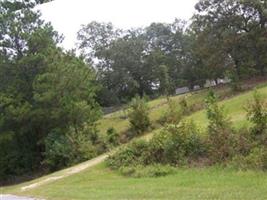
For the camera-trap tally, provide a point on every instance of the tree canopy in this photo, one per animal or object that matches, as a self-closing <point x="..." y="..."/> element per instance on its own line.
<point x="43" y="89"/>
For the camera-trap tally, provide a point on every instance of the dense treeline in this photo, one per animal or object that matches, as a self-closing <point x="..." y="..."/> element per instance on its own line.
<point x="224" y="38"/>
<point x="49" y="98"/>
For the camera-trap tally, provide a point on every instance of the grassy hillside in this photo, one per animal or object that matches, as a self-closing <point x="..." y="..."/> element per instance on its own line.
<point x="119" y="121"/>
<point x="208" y="183"/>
<point x="234" y="108"/>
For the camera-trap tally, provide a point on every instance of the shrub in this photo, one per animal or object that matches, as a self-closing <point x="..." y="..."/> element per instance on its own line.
<point x="157" y="147"/>
<point x="129" y="155"/>
<point x="173" y="114"/>
<point x="244" y="142"/>
<point x="255" y="160"/>
<point x="185" y="108"/>
<point x="215" y="114"/>
<point x="139" y="115"/>
<point x="257" y="114"/>
<point x="65" y="150"/>
<point x="147" y="171"/>
<point x="221" y="139"/>
<point x="174" y="145"/>
<point x="184" y="143"/>
<point x="112" y="137"/>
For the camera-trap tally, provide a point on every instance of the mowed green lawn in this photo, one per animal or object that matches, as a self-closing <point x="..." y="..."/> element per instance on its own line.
<point x="207" y="183"/>
<point x="187" y="184"/>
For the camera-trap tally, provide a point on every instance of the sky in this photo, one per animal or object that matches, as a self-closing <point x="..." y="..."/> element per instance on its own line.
<point x="67" y="16"/>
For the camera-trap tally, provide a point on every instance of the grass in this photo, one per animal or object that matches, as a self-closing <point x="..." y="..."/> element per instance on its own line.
<point x="234" y="109"/>
<point x="192" y="184"/>
<point x="119" y="121"/>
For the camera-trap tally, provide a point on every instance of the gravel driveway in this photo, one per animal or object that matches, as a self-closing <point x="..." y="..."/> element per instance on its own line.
<point x="11" y="197"/>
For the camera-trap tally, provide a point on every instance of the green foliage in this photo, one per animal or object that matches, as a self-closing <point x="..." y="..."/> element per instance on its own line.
<point x="185" y="109"/>
<point x="66" y="150"/>
<point x="228" y="38"/>
<point x="135" y="61"/>
<point x="215" y="114"/>
<point x="184" y="143"/>
<point x="221" y="137"/>
<point x="176" y="145"/>
<point x="139" y="115"/>
<point x="44" y="91"/>
<point x="112" y="137"/>
<point x="18" y="155"/>
<point x="235" y="81"/>
<point x="173" y="114"/>
<point x="130" y="155"/>
<point x="255" y="160"/>
<point x="257" y="114"/>
<point x="156" y="149"/>
<point x="165" y="84"/>
<point x="221" y="37"/>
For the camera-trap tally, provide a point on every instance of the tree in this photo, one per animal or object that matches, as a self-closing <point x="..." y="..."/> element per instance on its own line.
<point x="94" y="38"/>
<point x="120" y="65"/>
<point x="235" y="31"/>
<point x="165" y="46"/>
<point x="165" y="85"/>
<point x="42" y="90"/>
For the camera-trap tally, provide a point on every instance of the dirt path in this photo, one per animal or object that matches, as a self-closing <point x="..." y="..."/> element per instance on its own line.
<point x="65" y="173"/>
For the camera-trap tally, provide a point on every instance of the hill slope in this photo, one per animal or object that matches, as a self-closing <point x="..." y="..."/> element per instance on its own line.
<point x="210" y="183"/>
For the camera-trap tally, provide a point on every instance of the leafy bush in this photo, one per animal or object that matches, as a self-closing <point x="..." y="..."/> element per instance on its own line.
<point x="157" y="147"/>
<point x="147" y="171"/>
<point x="244" y="142"/>
<point x="139" y="115"/>
<point x="129" y="155"/>
<point x="257" y="114"/>
<point x="184" y="143"/>
<point x="221" y="138"/>
<point x="215" y="114"/>
<point x="174" y="145"/>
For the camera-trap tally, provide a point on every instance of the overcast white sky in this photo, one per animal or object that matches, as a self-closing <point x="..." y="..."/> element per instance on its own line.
<point x="67" y="16"/>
